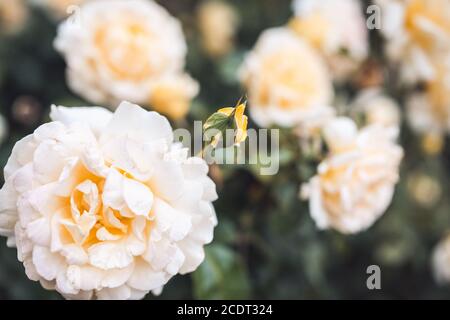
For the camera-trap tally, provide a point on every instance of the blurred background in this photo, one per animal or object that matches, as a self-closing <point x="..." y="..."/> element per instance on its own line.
<point x="266" y="245"/>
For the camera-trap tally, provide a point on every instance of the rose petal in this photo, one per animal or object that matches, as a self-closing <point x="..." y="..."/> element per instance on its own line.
<point x="96" y="117"/>
<point x="137" y="196"/>
<point x="145" y="278"/>
<point x="47" y="264"/>
<point x="138" y="124"/>
<point x="109" y="255"/>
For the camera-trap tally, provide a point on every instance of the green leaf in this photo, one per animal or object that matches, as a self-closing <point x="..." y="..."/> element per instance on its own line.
<point x="215" y="126"/>
<point x="221" y="276"/>
<point x="217" y="120"/>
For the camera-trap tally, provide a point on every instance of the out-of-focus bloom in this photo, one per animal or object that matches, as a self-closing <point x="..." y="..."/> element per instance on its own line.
<point x="287" y="81"/>
<point x="424" y="189"/>
<point x="429" y="111"/>
<point x="432" y="143"/>
<point x="128" y="50"/>
<point x="13" y="15"/>
<point x="59" y="9"/>
<point x="313" y="127"/>
<point x="172" y="95"/>
<point x="310" y="135"/>
<point x="417" y="34"/>
<point x="229" y="118"/>
<point x="106" y="206"/>
<point x="218" y="22"/>
<point x="337" y="29"/>
<point x="377" y="108"/>
<point x="355" y="183"/>
<point x="441" y="261"/>
<point x="26" y="110"/>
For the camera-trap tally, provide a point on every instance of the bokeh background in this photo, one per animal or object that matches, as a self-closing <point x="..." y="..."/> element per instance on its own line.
<point x="266" y="245"/>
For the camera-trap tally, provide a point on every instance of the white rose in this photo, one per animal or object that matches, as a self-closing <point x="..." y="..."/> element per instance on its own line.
<point x="355" y="183"/>
<point x="440" y="261"/>
<point x="127" y="50"/>
<point x="106" y="206"/>
<point x="377" y="107"/>
<point x="417" y="34"/>
<point x="337" y="29"/>
<point x="287" y="80"/>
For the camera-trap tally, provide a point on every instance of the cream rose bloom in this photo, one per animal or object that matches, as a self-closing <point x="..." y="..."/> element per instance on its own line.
<point x="417" y="34"/>
<point x="440" y="261"/>
<point x="377" y="107"/>
<point x="106" y="206"/>
<point x="217" y="21"/>
<point x="127" y="50"/>
<point x="429" y="111"/>
<point x="337" y="29"/>
<point x="286" y="79"/>
<point x="355" y="183"/>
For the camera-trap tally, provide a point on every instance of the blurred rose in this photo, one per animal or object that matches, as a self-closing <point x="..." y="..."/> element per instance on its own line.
<point x="377" y="108"/>
<point x="218" y="22"/>
<point x="286" y="79"/>
<point x="128" y="50"/>
<point x="429" y="111"/>
<point x="432" y="143"/>
<point x="13" y="15"/>
<point x="106" y="206"/>
<point x="424" y="189"/>
<point x="313" y="127"/>
<point x="172" y="95"/>
<point x="337" y="29"/>
<point x="26" y="110"/>
<point x="417" y="34"/>
<point x="441" y="261"/>
<point x="355" y="183"/>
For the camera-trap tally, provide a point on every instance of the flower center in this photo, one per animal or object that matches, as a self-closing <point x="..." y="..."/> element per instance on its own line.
<point x="89" y="219"/>
<point x="295" y="81"/>
<point x="129" y="50"/>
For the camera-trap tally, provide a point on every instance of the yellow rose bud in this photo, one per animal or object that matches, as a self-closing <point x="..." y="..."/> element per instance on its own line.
<point x="225" y="119"/>
<point x="240" y="121"/>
